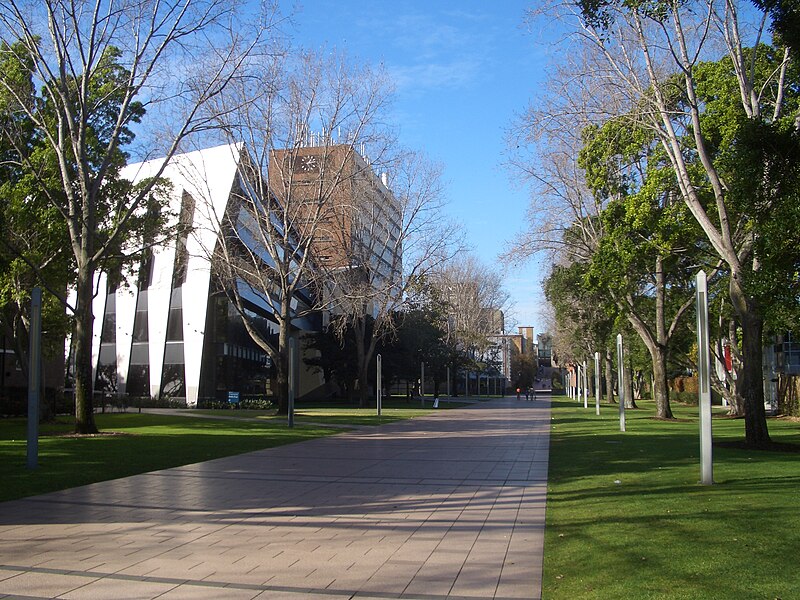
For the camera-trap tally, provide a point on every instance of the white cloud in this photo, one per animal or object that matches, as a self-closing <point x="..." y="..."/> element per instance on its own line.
<point x="418" y="77"/>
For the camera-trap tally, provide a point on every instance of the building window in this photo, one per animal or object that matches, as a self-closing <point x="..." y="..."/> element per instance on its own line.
<point x="185" y="221"/>
<point x="173" y="381"/>
<point x="139" y="380"/>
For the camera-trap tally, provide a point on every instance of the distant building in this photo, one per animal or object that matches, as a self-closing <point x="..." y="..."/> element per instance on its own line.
<point x="357" y="220"/>
<point x="781" y="365"/>
<point x="545" y="349"/>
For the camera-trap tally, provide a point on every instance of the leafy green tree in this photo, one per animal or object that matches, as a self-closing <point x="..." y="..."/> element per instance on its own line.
<point x="656" y="51"/>
<point x="644" y="259"/>
<point x="94" y="69"/>
<point x="785" y="16"/>
<point x="523" y="370"/>
<point x="33" y="239"/>
<point x="585" y="317"/>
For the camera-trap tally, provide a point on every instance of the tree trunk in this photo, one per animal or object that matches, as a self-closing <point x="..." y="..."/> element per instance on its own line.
<point x="84" y="320"/>
<point x="609" y="377"/>
<point x="660" y="384"/>
<point x="657" y="347"/>
<point x="628" y="383"/>
<point x="750" y="384"/>
<point x="282" y="364"/>
<point x="735" y="399"/>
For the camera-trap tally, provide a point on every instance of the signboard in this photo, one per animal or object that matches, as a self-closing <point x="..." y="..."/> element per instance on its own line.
<point x="233" y="397"/>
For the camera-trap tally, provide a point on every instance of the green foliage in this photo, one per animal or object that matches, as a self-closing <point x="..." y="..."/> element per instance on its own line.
<point x="34" y="245"/>
<point x="760" y="162"/>
<point x="599" y="13"/>
<point x="585" y="317"/>
<point x="785" y="16"/>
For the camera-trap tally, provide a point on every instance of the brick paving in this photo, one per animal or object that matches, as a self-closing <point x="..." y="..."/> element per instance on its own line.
<point x="449" y="505"/>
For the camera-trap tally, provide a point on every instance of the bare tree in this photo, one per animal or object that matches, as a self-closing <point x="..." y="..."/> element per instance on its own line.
<point x="394" y="234"/>
<point x="474" y="305"/>
<point x="563" y="218"/>
<point x="99" y="66"/>
<point x="305" y="120"/>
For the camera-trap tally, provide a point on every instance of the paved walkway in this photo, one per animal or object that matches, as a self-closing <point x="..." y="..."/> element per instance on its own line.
<point x="449" y="505"/>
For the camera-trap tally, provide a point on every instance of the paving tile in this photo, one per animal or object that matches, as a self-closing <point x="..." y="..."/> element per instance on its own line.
<point x="102" y="589"/>
<point x="39" y="584"/>
<point x="196" y="592"/>
<point x="447" y="505"/>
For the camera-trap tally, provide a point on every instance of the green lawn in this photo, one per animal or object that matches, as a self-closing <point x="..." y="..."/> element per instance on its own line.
<point x="394" y="409"/>
<point x="627" y="518"/>
<point x="144" y="443"/>
<point x="339" y="413"/>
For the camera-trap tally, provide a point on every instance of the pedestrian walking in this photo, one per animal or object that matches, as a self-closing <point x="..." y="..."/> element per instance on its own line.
<point x="518" y="390"/>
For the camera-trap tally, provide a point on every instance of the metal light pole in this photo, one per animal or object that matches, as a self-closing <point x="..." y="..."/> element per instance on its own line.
<point x="379" y="384"/>
<point x="568" y="383"/>
<point x="704" y="377"/>
<point x="291" y="382"/>
<point x="597" y="383"/>
<point x="422" y="383"/>
<point x="621" y="382"/>
<point x="585" y="386"/>
<point x="34" y="377"/>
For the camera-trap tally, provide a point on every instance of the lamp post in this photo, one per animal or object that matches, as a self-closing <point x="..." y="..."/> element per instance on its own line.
<point x="34" y="377"/>
<point x="585" y="387"/>
<point x="422" y="383"/>
<point x="379" y="383"/>
<point x="704" y="380"/>
<point x="621" y="382"/>
<point x="597" y="383"/>
<point x="291" y="382"/>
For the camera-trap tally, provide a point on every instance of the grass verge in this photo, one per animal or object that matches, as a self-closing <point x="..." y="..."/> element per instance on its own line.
<point x="335" y="413"/>
<point x="141" y="443"/>
<point x="627" y="518"/>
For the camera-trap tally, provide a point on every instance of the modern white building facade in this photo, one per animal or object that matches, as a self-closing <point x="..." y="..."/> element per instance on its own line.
<point x="165" y="332"/>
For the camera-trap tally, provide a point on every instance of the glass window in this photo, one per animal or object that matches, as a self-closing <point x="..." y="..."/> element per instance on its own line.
<point x="140" y="354"/>
<point x="139" y="380"/>
<point x="140" y="327"/>
<point x="175" y="325"/>
<point x="109" y="331"/>
<point x="107" y="378"/>
<point x="108" y="355"/>
<point x="173" y="353"/>
<point x="173" y="382"/>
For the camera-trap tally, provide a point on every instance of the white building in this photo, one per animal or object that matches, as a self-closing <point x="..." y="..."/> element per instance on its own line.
<point x="166" y="333"/>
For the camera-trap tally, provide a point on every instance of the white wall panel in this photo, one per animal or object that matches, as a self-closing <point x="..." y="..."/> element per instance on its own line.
<point x="99" y="311"/>
<point x="126" y="312"/>
<point x="208" y="178"/>
<point x="158" y="296"/>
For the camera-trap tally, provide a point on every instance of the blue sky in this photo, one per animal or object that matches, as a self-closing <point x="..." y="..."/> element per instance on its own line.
<point x="462" y="70"/>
